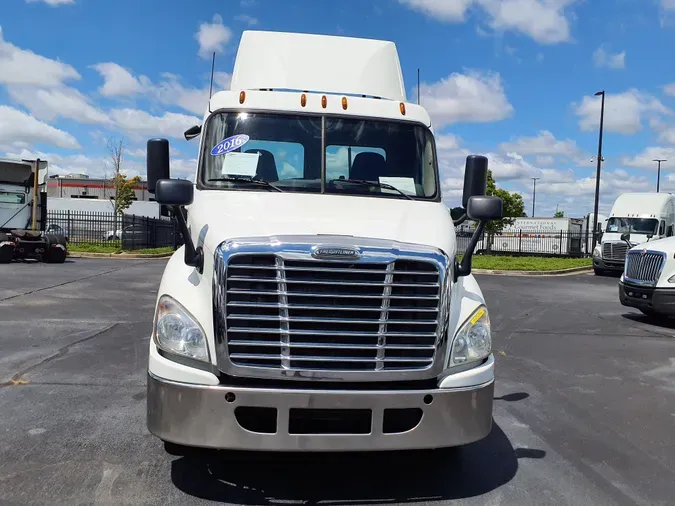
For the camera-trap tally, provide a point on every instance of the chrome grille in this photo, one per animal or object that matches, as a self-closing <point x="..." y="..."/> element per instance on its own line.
<point x="282" y="313"/>
<point x="643" y="268"/>
<point x="614" y="251"/>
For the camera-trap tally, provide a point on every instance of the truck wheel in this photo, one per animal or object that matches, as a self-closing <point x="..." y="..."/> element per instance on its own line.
<point x="7" y="251"/>
<point x="598" y="272"/>
<point x="55" y="255"/>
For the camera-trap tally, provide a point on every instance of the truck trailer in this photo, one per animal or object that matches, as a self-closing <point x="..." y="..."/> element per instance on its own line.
<point x="23" y="214"/>
<point x="318" y="303"/>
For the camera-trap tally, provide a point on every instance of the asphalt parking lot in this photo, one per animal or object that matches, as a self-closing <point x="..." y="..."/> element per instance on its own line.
<point x="584" y="410"/>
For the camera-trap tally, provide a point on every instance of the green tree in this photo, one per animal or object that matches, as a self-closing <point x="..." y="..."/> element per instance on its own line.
<point x="559" y="214"/>
<point x="124" y="192"/>
<point x="512" y="205"/>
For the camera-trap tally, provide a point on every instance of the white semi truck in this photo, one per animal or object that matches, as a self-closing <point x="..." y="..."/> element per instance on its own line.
<point x="23" y="214"/>
<point x="644" y="217"/>
<point x="318" y="303"/>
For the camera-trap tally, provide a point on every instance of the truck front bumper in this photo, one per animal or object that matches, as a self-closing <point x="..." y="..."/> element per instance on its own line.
<point x="602" y="264"/>
<point x="648" y="299"/>
<point x="243" y="418"/>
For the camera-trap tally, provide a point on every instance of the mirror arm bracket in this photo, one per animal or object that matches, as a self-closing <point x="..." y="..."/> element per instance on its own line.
<point x="460" y="220"/>
<point x="464" y="268"/>
<point x="194" y="257"/>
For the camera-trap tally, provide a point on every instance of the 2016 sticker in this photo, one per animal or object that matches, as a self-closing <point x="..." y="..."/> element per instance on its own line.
<point x="229" y="144"/>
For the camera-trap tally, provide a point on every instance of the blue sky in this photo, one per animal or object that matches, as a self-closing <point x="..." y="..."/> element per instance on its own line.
<point x="512" y="79"/>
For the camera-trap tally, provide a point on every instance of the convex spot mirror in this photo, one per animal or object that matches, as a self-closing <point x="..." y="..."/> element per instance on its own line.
<point x="174" y="192"/>
<point x="484" y="208"/>
<point x="625" y="237"/>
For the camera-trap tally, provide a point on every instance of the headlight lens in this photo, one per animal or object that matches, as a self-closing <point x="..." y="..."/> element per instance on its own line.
<point x="176" y="331"/>
<point x="671" y="279"/>
<point x="597" y="251"/>
<point x="474" y="340"/>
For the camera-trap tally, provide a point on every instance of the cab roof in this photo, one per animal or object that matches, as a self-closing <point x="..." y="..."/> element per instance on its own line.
<point x="318" y="63"/>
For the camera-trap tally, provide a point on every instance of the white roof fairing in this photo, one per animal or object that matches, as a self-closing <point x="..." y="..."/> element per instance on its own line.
<point x="319" y="63"/>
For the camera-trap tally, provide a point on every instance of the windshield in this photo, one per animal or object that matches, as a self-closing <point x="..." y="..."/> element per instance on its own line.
<point x="634" y="225"/>
<point x="311" y="154"/>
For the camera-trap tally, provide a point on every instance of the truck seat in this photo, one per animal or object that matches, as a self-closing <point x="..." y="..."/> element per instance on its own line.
<point x="368" y="166"/>
<point x="267" y="166"/>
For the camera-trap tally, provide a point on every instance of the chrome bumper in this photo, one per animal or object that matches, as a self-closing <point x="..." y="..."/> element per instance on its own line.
<point x="204" y="416"/>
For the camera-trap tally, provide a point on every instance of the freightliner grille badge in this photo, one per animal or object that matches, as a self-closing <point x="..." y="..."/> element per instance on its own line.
<point x="335" y="253"/>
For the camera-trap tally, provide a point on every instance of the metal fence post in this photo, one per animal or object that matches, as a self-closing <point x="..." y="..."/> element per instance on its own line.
<point x="560" y="246"/>
<point x="520" y="241"/>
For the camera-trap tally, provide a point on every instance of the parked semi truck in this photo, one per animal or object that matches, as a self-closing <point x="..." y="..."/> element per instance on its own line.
<point x="23" y="214"/>
<point x="645" y="217"/>
<point x="318" y="303"/>
<point x="648" y="280"/>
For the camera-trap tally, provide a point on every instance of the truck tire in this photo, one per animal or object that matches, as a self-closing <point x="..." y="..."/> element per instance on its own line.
<point x="7" y="251"/>
<point x="598" y="272"/>
<point x="55" y="255"/>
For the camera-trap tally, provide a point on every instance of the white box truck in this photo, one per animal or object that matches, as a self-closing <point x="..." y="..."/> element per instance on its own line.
<point x="318" y="303"/>
<point x="643" y="217"/>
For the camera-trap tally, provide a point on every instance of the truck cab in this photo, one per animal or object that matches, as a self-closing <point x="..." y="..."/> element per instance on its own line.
<point x="648" y="280"/>
<point x="640" y="218"/>
<point x="318" y="302"/>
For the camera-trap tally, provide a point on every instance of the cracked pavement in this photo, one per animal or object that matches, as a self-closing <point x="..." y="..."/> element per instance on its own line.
<point x="584" y="408"/>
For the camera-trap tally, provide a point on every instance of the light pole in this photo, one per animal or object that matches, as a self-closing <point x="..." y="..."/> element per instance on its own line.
<point x="597" y="174"/>
<point x="658" y="176"/>
<point x="534" y="192"/>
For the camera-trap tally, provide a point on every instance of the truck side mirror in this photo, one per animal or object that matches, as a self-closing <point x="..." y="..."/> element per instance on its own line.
<point x="157" y="162"/>
<point x="625" y="237"/>
<point x="192" y="132"/>
<point x="177" y="193"/>
<point x="475" y="178"/>
<point x="485" y="208"/>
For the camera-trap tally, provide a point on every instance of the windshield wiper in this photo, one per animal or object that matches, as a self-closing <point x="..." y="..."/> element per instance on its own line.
<point x="240" y="179"/>
<point x="376" y="184"/>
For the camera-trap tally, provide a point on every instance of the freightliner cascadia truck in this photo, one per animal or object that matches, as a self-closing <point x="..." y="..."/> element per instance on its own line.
<point x="319" y="301"/>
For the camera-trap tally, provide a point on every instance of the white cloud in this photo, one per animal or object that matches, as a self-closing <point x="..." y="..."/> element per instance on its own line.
<point x="623" y="111"/>
<point x="544" y="161"/>
<point x="23" y="67"/>
<point x="543" y="144"/>
<point x="471" y="98"/>
<point x="19" y="129"/>
<point x="601" y="58"/>
<point x="543" y="20"/>
<point x="172" y="92"/>
<point x="64" y="164"/>
<point x="669" y="89"/>
<point x="245" y="18"/>
<point x="213" y="37"/>
<point x="64" y="102"/>
<point x="142" y="124"/>
<point x="444" y="10"/>
<point x="447" y="142"/>
<point x="53" y="3"/>
<point x="668" y="4"/>
<point x="119" y="81"/>
<point x="645" y="159"/>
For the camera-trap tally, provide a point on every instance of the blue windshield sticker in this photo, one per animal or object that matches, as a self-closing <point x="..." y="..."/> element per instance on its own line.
<point x="229" y="144"/>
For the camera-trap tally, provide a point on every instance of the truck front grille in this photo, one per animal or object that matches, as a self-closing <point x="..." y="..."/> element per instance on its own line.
<point x="614" y="251"/>
<point x="303" y="314"/>
<point x="643" y="268"/>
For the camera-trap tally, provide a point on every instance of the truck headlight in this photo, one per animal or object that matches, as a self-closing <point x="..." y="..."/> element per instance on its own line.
<point x="473" y="341"/>
<point x="597" y="252"/>
<point x="176" y="331"/>
<point x="671" y="279"/>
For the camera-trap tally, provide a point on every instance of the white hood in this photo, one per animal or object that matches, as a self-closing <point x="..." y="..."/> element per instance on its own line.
<point x="215" y="216"/>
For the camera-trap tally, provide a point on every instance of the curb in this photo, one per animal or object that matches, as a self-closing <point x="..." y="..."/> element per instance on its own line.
<point x="118" y="255"/>
<point x="559" y="272"/>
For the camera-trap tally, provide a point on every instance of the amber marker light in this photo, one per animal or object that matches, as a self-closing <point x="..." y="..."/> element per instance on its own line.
<point x="344" y="103"/>
<point x="242" y="97"/>
<point x="402" y="107"/>
<point x="303" y="100"/>
<point x="324" y="101"/>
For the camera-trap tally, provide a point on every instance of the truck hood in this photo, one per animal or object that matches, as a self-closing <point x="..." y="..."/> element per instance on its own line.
<point x="215" y="216"/>
<point x="666" y="245"/>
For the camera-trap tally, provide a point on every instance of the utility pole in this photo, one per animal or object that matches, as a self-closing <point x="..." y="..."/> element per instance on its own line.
<point x="418" y="86"/>
<point x="534" y="192"/>
<point x="658" y="175"/>
<point x="597" y="174"/>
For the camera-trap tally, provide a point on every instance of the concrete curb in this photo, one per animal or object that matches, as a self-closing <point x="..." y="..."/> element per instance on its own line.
<point x="559" y="272"/>
<point x="118" y="255"/>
